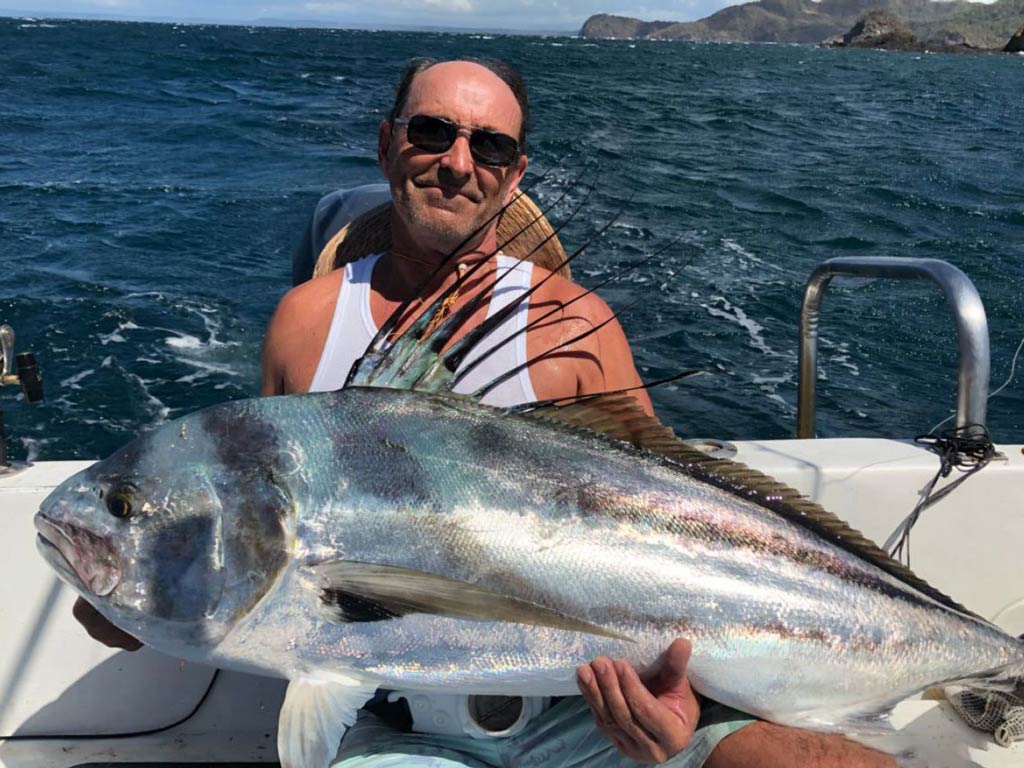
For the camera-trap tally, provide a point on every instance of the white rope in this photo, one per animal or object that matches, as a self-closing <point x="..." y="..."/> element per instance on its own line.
<point x="1013" y="372"/>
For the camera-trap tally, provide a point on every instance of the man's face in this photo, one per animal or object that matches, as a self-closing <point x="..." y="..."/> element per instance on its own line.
<point x="442" y="198"/>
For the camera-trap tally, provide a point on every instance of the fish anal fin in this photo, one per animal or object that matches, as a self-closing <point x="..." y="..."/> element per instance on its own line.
<point x="355" y="591"/>
<point x="620" y="417"/>
<point x="315" y="715"/>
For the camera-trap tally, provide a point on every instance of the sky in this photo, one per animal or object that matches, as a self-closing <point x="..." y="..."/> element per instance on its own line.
<point x="536" y="15"/>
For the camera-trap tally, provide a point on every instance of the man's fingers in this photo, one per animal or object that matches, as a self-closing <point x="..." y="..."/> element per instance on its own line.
<point x="672" y="666"/>
<point x="621" y="715"/>
<point x="100" y="629"/>
<point x="665" y="725"/>
<point x="587" y="681"/>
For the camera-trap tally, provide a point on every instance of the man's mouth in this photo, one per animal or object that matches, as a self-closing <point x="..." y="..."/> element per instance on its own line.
<point x="83" y="559"/>
<point x="447" y="192"/>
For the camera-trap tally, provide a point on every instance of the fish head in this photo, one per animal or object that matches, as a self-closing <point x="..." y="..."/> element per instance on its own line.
<point x="164" y="539"/>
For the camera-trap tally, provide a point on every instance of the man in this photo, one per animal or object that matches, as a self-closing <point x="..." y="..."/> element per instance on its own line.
<point x="447" y="180"/>
<point x="453" y="151"/>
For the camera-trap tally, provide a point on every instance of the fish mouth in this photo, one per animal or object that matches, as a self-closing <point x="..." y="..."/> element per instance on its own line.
<point x="83" y="559"/>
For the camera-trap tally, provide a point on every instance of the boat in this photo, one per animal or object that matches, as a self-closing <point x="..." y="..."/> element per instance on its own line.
<point x="69" y="701"/>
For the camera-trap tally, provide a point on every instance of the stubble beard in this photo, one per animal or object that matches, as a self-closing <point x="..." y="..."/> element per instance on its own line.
<point x="431" y="229"/>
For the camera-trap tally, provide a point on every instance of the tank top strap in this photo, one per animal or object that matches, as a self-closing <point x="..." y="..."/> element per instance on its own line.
<point x="352" y="328"/>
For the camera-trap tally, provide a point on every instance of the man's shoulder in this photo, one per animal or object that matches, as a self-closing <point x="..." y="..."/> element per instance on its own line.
<point x="311" y="299"/>
<point x="562" y="290"/>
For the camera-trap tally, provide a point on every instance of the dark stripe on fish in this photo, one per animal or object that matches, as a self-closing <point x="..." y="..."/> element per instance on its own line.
<point x="376" y="464"/>
<point x="250" y="449"/>
<point x="242" y="439"/>
<point x="180" y="589"/>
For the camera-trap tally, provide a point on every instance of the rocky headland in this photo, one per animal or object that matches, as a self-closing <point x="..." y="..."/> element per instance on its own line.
<point x="957" y="24"/>
<point x="881" y="29"/>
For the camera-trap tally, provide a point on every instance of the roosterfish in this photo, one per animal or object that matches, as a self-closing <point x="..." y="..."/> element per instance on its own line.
<point x="395" y="534"/>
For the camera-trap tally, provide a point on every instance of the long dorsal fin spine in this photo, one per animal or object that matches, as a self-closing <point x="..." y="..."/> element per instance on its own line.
<point x="378" y="341"/>
<point x="454" y="357"/>
<point x="561" y="307"/>
<point x="482" y="391"/>
<point x="447" y="329"/>
<point x="404" y="363"/>
<point x="374" y="363"/>
<point x="560" y="402"/>
<point x="441" y="373"/>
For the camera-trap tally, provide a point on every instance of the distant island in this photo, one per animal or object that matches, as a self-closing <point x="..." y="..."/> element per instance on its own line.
<point x="934" y="23"/>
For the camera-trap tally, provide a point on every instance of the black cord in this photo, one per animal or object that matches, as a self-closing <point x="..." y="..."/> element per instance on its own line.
<point x="968" y="449"/>
<point x="125" y="735"/>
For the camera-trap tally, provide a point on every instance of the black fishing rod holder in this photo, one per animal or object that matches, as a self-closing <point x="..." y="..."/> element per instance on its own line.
<point x="16" y="369"/>
<point x="963" y="298"/>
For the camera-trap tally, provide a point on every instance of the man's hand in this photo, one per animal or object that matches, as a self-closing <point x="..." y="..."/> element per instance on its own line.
<point x="648" y="722"/>
<point x="100" y="629"/>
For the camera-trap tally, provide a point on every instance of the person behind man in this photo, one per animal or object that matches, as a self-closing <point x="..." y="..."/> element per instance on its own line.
<point x="453" y="152"/>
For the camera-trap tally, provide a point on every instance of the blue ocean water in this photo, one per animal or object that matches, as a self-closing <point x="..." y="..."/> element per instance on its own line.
<point x="154" y="179"/>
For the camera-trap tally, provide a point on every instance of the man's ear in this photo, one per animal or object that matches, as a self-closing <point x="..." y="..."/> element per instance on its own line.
<point x="515" y="175"/>
<point x="383" y="145"/>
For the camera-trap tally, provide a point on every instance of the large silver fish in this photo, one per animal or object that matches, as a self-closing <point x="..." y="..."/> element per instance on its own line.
<point x="376" y="537"/>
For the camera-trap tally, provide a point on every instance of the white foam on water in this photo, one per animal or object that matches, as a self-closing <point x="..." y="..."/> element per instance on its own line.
<point x="731" y="245"/>
<point x="34" y="447"/>
<point x="161" y="410"/>
<point x="184" y="341"/>
<point x="204" y="370"/>
<point x="115" y="337"/>
<point x="71" y="382"/>
<point x="736" y="315"/>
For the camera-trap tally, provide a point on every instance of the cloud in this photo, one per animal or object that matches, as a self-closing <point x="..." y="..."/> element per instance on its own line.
<point x="458" y="6"/>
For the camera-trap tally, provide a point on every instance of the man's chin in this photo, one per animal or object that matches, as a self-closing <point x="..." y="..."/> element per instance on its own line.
<point x="442" y="225"/>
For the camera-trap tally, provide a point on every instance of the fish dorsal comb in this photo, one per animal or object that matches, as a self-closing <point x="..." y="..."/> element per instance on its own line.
<point x="620" y="417"/>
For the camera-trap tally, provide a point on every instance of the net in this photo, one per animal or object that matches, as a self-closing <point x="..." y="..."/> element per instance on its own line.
<point x="997" y="712"/>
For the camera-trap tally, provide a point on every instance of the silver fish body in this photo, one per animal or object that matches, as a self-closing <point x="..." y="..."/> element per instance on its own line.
<point x="242" y="513"/>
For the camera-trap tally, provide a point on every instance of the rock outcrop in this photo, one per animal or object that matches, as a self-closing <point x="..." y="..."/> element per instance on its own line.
<point x="809" y="21"/>
<point x="1016" y="44"/>
<point x="879" y="29"/>
<point x="606" y="26"/>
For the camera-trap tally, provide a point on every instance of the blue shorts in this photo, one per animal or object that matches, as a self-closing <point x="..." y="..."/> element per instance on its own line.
<point x="564" y="736"/>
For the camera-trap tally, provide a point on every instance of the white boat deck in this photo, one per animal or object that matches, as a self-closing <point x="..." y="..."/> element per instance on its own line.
<point x="63" y="695"/>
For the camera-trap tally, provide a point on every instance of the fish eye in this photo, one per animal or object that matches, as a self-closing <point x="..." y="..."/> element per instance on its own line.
<point x="119" y="503"/>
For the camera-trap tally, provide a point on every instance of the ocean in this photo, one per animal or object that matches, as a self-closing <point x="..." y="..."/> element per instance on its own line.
<point x="155" y="179"/>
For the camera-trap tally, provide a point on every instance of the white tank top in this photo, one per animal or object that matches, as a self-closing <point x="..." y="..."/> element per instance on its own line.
<point x="352" y="329"/>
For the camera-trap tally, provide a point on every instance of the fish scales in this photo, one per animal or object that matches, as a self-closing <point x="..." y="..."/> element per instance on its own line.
<point x="784" y="624"/>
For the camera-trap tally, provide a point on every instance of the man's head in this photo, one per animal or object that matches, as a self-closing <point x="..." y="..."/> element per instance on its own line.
<point x="443" y="194"/>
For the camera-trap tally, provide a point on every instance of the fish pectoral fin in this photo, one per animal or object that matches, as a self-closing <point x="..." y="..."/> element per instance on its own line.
<point x="315" y="715"/>
<point x="354" y="592"/>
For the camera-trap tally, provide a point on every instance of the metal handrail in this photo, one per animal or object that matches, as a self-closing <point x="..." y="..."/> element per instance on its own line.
<point x="971" y="327"/>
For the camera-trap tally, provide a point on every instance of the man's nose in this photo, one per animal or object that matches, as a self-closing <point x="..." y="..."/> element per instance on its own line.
<point x="458" y="159"/>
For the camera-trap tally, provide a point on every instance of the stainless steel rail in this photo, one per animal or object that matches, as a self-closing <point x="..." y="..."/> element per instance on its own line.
<point x="971" y="327"/>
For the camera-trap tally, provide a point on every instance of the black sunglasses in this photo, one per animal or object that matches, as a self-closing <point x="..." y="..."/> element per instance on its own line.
<point x="436" y="135"/>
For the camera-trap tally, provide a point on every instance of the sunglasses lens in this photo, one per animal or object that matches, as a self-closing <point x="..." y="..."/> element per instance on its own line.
<point x="431" y="133"/>
<point x="492" y="148"/>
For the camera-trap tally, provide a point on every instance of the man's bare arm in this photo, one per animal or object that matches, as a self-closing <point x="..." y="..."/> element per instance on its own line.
<point x="614" y="369"/>
<point x="296" y="335"/>
<point x="767" y="745"/>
